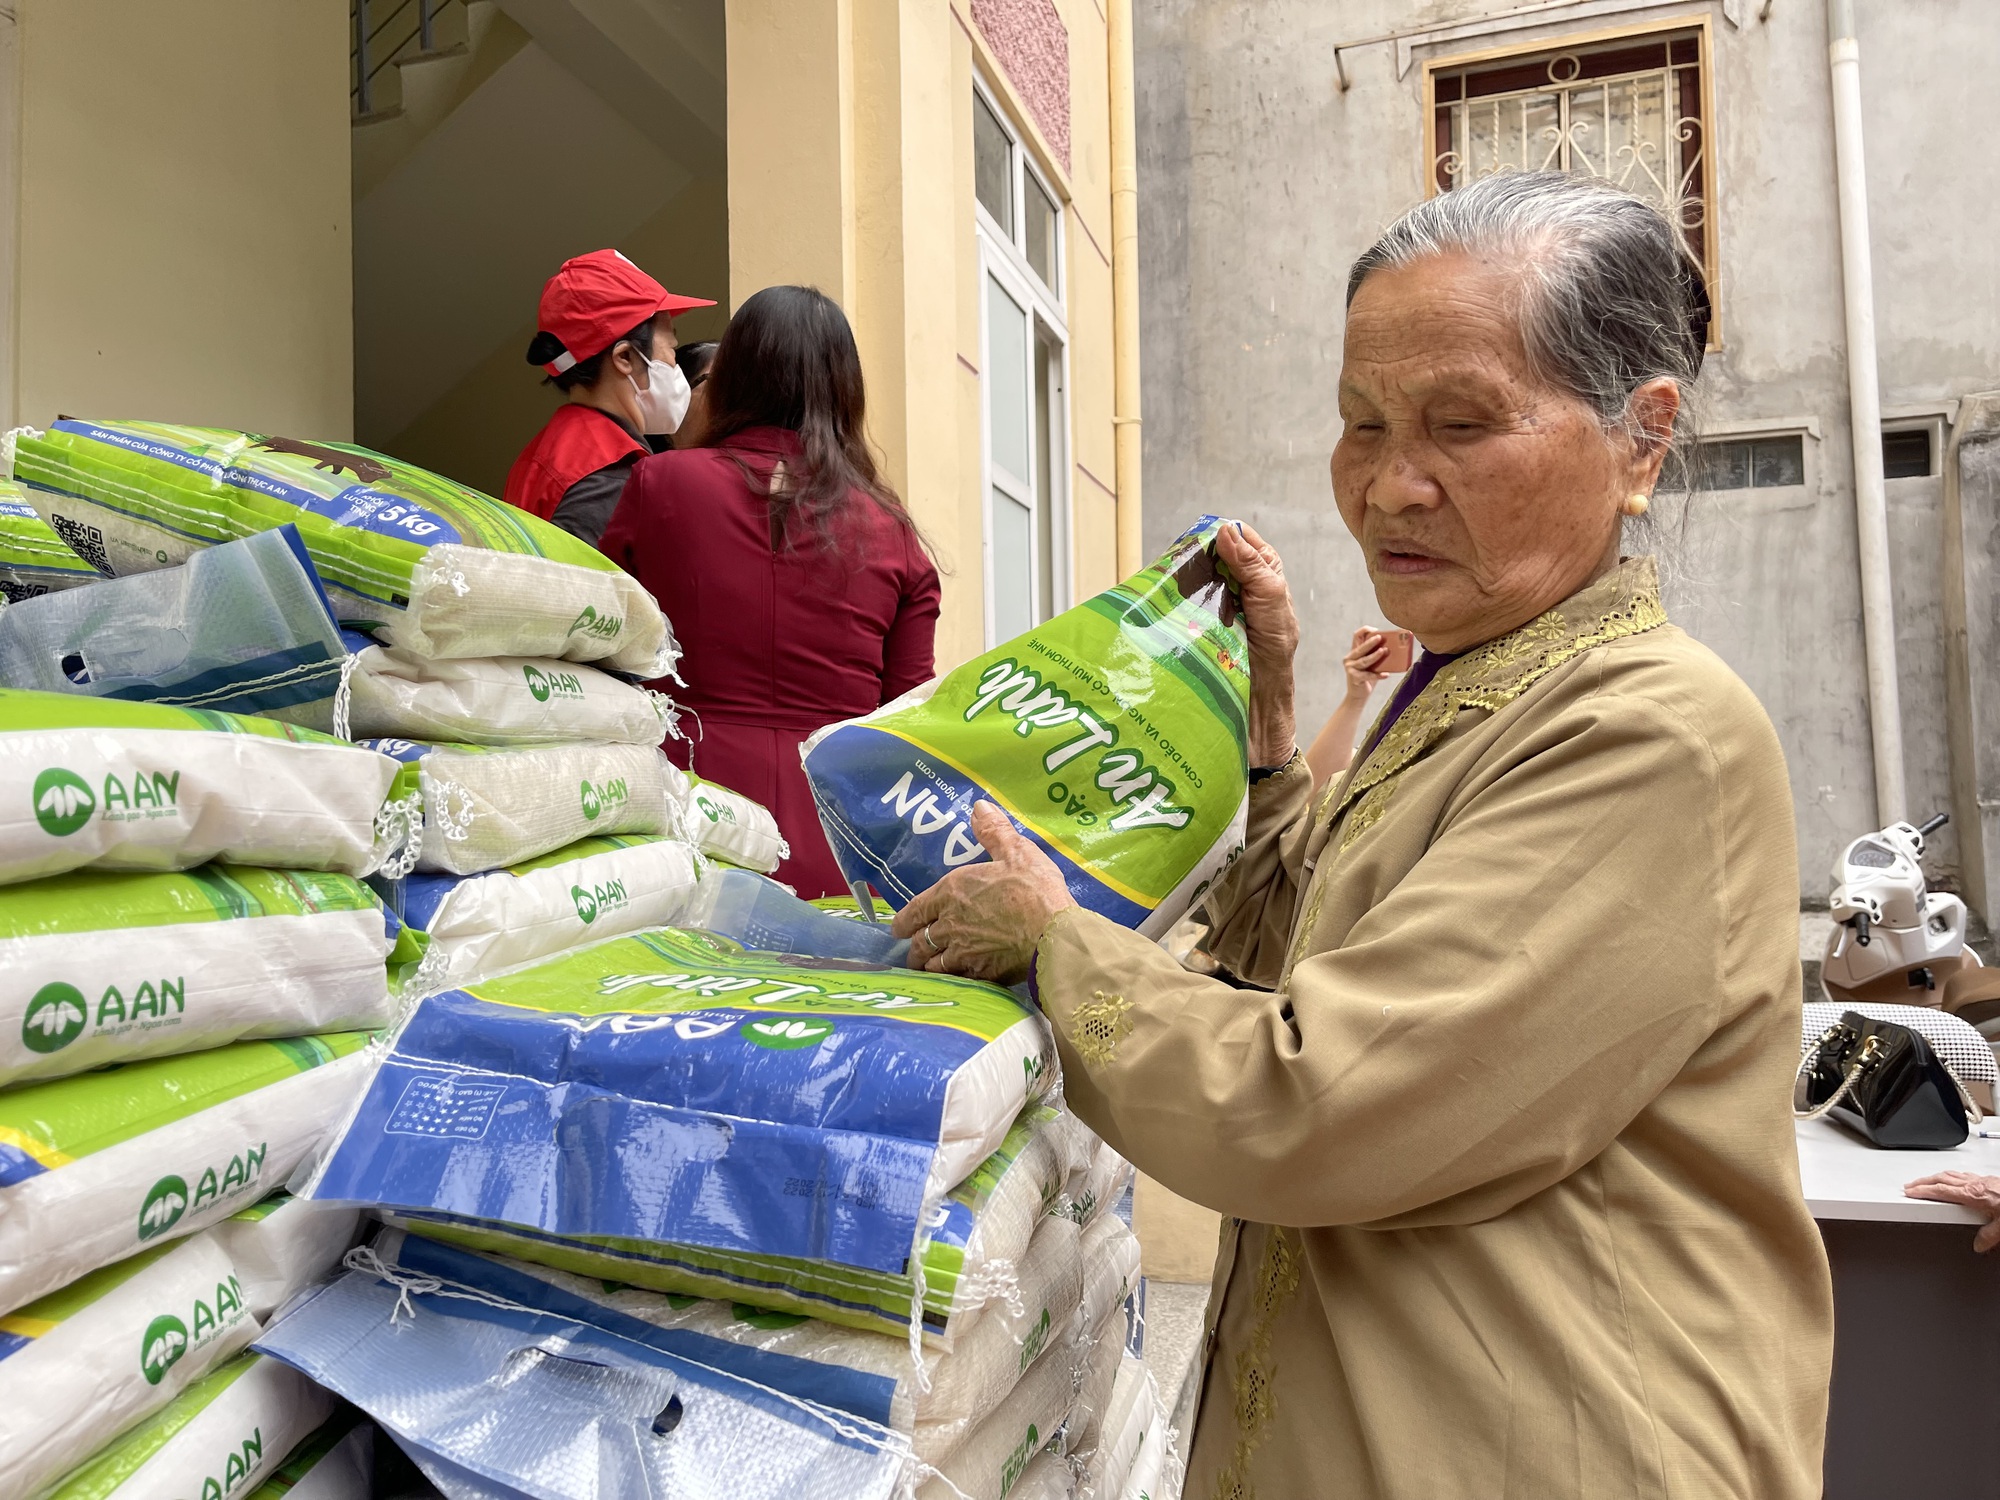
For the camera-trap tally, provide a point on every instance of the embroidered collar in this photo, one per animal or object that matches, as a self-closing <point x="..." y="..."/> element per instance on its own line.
<point x="1625" y="601"/>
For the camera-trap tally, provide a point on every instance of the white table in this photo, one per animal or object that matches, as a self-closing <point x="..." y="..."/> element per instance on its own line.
<point x="1845" y="1178"/>
<point x="1916" y="1321"/>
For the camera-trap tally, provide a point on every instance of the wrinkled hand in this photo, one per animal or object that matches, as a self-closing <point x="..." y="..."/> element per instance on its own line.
<point x="983" y="921"/>
<point x="1968" y="1190"/>
<point x="1363" y="661"/>
<point x="1272" y="626"/>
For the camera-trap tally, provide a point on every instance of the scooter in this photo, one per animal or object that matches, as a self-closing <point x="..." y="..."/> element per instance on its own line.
<point x="1894" y="939"/>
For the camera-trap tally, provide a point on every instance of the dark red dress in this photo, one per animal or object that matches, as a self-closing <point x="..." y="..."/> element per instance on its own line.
<point x="776" y="642"/>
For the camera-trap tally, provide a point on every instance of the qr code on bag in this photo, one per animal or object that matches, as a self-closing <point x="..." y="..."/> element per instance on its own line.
<point x="87" y="542"/>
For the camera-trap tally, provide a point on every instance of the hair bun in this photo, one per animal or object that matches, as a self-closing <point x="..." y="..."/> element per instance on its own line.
<point x="545" y="348"/>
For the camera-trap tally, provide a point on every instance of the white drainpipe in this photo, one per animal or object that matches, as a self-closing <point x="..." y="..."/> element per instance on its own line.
<point x="1871" y="507"/>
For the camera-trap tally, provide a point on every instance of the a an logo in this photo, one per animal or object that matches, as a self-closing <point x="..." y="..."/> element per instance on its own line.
<point x="164" y="1205"/>
<point x="63" y="802"/>
<point x="593" y="901"/>
<point x="586" y="904"/>
<point x="547" y="685"/>
<point x="55" y="1018"/>
<point x="601" y="799"/>
<point x="1018" y="1460"/>
<point x="786" y="1034"/>
<point x="604" y="627"/>
<point x="717" y="812"/>
<point x="165" y="1341"/>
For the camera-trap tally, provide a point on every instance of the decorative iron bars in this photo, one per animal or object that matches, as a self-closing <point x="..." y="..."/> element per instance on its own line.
<point x="1631" y="112"/>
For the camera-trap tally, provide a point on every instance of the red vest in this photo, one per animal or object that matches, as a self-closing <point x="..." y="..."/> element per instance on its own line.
<point x="576" y="441"/>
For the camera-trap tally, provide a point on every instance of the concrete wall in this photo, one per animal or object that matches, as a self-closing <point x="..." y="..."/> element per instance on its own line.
<point x="1261" y="180"/>
<point x="177" y="213"/>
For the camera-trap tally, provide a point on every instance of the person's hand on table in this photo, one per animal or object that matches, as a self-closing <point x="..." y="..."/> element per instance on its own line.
<point x="1272" y="626"/>
<point x="983" y="921"/>
<point x="1967" y="1190"/>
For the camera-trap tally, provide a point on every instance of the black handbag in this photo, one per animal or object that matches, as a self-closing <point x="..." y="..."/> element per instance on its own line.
<point x="1883" y="1082"/>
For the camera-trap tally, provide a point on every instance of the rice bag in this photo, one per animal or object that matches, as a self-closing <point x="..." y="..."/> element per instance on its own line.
<point x="1134" y="1409"/>
<point x="99" y="967"/>
<point x="971" y="1254"/>
<point x="486" y="808"/>
<point x="469" y="927"/>
<point x="82" y="1364"/>
<point x="497" y="1382"/>
<point x="759" y="913"/>
<point x="142" y="786"/>
<point x="1047" y="1477"/>
<point x="1156" y="1469"/>
<point x="244" y="628"/>
<point x="431" y="566"/>
<point x="1113" y="735"/>
<point x="990" y="1460"/>
<point x="220" y="1437"/>
<point x="33" y="559"/>
<point x="1100" y="1352"/>
<point x="671" y="1084"/>
<point x="335" y="1463"/>
<point x="496" y="700"/>
<point x="96" y="1167"/>
<point x="1099" y="1187"/>
<point x="728" y="825"/>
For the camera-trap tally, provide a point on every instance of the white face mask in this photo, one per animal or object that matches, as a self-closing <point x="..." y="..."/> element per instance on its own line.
<point x="663" y="400"/>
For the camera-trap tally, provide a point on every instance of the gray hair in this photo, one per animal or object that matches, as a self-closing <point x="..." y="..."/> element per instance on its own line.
<point x="1610" y="297"/>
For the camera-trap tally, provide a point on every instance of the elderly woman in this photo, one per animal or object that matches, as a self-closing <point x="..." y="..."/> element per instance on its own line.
<point x="1507" y="1150"/>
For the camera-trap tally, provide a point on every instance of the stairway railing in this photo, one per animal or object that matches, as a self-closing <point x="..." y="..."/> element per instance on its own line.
<point x="409" y="30"/>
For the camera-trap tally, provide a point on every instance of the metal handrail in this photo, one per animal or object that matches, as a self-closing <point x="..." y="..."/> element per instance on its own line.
<point x="365" y="35"/>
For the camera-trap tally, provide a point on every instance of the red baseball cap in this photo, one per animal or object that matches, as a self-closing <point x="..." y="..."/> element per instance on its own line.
<point x="596" y="299"/>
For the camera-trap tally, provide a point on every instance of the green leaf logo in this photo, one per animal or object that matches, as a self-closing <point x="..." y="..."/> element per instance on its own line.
<point x="592" y="804"/>
<point x="163" y="1207"/>
<point x="165" y="1341"/>
<point x="586" y="904"/>
<point x="788" y="1033"/>
<point x="63" y="802"/>
<point x="55" y="1018"/>
<point x="538" y="684"/>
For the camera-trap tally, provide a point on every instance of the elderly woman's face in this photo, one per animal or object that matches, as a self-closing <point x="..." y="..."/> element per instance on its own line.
<point x="1480" y="496"/>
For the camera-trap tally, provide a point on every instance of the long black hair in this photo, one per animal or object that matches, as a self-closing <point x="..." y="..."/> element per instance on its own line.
<point x="788" y="360"/>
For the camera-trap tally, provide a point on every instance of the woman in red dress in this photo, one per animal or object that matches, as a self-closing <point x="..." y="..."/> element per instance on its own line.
<point x="796" y="582"/>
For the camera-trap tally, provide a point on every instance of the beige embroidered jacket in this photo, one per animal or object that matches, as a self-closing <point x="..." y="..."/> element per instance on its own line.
<point x="1510" y="1148"/>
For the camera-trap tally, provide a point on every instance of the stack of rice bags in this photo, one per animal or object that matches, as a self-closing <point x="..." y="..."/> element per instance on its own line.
<point x="484" y="652"/>
<point x="190" y="966"/>
<point x="698" y="1147"/>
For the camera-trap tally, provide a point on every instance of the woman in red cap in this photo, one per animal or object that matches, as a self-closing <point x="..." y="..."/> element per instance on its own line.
<point x="795" y="579"/>
<point x="607" y="342"/>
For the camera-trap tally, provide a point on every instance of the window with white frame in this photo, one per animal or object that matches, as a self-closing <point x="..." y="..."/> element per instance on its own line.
<point x="1024" y="374"/>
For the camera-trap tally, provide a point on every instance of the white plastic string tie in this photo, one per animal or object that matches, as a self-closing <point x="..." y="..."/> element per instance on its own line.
<point x="669" y="712"/>
<point x="343" y="697"/>
<point x="994" y="1280"/>
<point x="452" y="809"/>
<point x="399" y="835"/>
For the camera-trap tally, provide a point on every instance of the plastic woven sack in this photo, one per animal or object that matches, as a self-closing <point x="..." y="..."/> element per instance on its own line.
<point x="436" y="568"/>
<point x="97" y="1167"/>
<point x="33" y="559"/>
<point x="498" y="1383"/>
<point x="82" y="1364"/>
<point x="470" y="927"/>
<point x="495" y="700"/>
<point x="1156" y="1470"/>
<point x="673" y="1084"/>
<point x="244" y="628"/>
<point x="1047" y="1477"/>
<point x="728" y="825"/>
<point x="1134" y="1410"/>
<point x="100" y="967"/>
<point x="1113" y="735"/>
<point x="487" y="808"/>
<point x="141" y="786"/>
<point x="759" y="913"/>
<point x="220" y="1437"/>
<point x="988" y="1462"/>
<point x="335" y="1463"/>
<point x="970" y="1257"/>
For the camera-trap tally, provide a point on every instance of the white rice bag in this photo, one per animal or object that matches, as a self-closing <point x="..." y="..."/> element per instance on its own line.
<point x="728" y="825"/>
<point x="491" y="700"/>
<point x="471" y="927"/>
<point x="486" y="808"/>
<point x="1101" y="1184"/>
<point x="99" y="967"/>
<point x="99" y="1166"/>
<point x="335" y="1463"/>
<point x="1156" y="1472"/>
<point x="990" y="1460"/>
<point x="143" y="786"/>
<point x="1047" y="1478"/>
<point x="222" y="1436"/>
<point x="82" y="1364"/>
<point x="1134" y="1411"/>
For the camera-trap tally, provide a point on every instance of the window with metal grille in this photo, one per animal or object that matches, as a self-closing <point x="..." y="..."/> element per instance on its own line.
<point x="1751" y="463"/>
<point x="1906" y="453"/>
<point x="1629" y="108"/>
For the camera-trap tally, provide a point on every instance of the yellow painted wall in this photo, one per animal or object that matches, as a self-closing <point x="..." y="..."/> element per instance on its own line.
<point x="850" y="167"/>
<point x="183" y="213"/>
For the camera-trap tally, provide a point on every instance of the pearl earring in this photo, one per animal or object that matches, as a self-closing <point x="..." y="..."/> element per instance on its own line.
<point x="1635" y="505"/>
